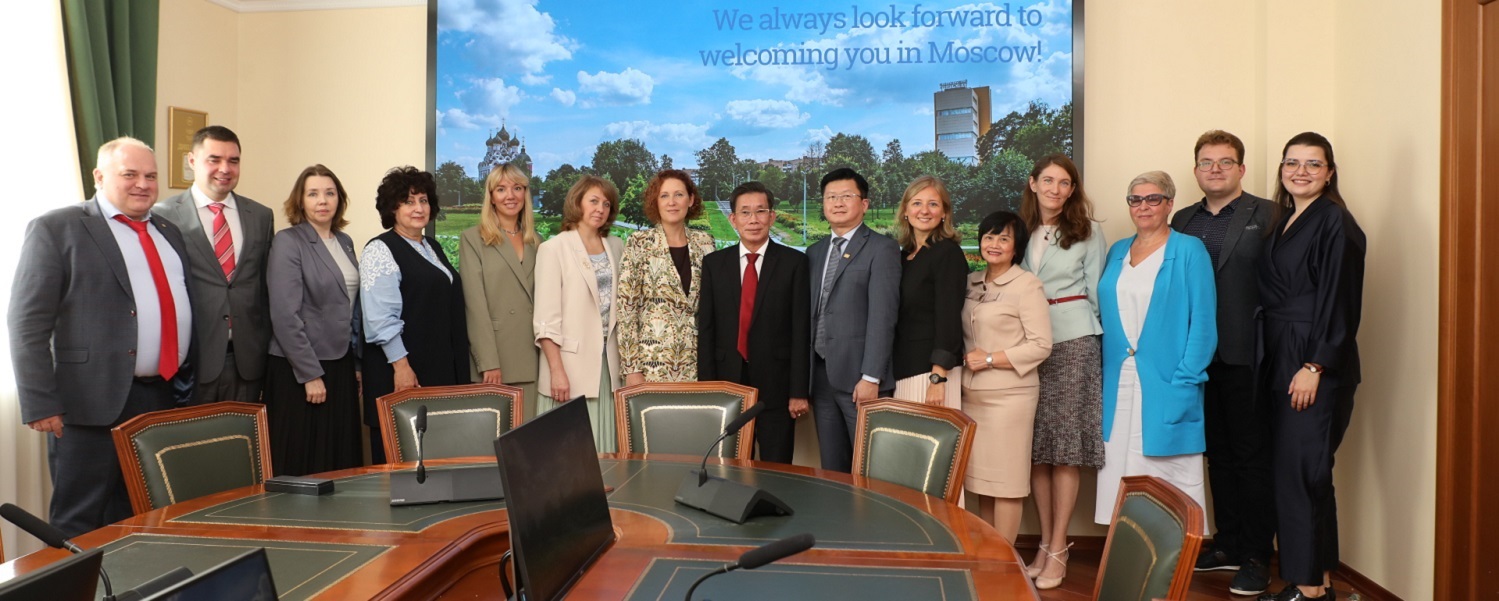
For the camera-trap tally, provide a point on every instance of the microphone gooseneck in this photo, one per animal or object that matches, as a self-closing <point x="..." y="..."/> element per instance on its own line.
<point x="760" y="556"/>
<point x="421" y="431"/>
<point x="729" y="430"/>
<point x="49" y="535"/>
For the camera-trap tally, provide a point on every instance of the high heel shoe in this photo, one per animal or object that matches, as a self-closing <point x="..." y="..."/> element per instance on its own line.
<point x="1059" y="557"/>
<point x="1039" y="563"/>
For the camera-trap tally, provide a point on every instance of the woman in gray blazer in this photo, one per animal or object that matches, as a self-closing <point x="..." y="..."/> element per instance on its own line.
<point x="311" y="386"/>
<point x="497" y="262"/>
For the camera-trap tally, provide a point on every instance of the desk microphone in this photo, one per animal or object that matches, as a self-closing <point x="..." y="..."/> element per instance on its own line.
<point x="421" y="431"/>
<point x="759" y="556"/>
<point x="729" y="430"/>
<point x="727" y="499"/>
<point x="50" y="536"/>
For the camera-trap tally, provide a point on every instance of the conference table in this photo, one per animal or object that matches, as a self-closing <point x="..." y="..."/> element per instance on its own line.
<point x="875" y="540"/>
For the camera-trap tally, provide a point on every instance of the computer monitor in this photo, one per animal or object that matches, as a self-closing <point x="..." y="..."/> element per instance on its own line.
<point x="246" y="577"/>
<point x="559" y="515"/>
<point x="73" y="579"/>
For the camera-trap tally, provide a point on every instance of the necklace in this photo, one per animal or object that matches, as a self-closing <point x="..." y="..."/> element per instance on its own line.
<point x="517" y="231"/>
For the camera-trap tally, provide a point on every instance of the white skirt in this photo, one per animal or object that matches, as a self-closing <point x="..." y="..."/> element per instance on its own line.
<point x="1124" y="454"/>
<point x="914" y="388"/>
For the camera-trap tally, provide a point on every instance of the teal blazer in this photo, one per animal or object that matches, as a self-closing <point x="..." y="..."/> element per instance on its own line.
<point x="1177" y="342"/>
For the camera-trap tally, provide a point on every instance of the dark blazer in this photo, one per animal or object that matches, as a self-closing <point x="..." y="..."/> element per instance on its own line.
<point x="216" y="300"/>
<point x="780" y="331"/>
<point x="1235" y="272"/>
<point x="72" y="317"/>
<point x="861" y="307"/>
<point x="311" y="312"/>
<point x="929" y="331"/>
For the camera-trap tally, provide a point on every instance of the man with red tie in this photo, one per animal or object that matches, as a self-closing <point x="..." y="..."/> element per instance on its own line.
<point x="100" y="325"/>
<point x="754" y="320"/>
<point x="228" y="240"/>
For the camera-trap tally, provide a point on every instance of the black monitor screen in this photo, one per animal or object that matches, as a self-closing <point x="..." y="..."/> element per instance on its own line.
<point x="559" y="515"/>
<point x="246" y="577"/>
<point x="72" y="579"/>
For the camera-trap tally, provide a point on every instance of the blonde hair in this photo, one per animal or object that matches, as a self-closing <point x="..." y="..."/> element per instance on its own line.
<point x="904" y="233"/>
<point x="489" y="219"/>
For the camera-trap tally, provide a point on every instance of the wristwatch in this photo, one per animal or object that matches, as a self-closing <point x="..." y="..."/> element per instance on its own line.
<point x="989" y="359"/>
<point x="936" y="379"/>
<point x="1312" y="367"/>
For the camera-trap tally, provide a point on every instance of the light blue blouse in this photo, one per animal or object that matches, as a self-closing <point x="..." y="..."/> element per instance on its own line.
<point x="380" y="294"/>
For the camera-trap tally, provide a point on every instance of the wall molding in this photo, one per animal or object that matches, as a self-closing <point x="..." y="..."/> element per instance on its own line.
<point x="267" y="6"/>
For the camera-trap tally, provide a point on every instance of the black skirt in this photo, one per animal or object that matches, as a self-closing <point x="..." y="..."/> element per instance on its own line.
<point x="311" y="438"/>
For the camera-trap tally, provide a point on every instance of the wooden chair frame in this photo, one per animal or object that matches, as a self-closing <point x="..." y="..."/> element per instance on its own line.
<point x="385" y="407"/>
<point x="967" y="427"/>
<point x="124" y="435"/>
<point x="1180" y="505"/>
<point x="746" y="447"/>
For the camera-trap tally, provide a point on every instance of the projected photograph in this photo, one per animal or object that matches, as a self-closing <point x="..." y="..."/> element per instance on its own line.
<point x="781" y="93"/>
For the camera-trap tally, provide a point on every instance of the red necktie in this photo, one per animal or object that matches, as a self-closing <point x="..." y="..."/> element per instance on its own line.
<point x="747" y="304"/>
<point x="167" y="364"/>
<point x="223" y="240"/>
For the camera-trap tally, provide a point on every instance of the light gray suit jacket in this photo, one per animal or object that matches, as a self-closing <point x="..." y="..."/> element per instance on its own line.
<point x="499" y="296"/>
<point x="72" y="317"/>
<point x="215" y="300"/>
<point x="860" y="310"/>
<point x="311" y="313"/>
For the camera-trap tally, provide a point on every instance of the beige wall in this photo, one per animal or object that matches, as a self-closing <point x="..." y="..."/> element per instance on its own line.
<point x="197" y="68"/>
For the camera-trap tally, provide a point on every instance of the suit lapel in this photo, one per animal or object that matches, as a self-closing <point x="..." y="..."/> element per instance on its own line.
<point x="1242" y="214"/>
<point x="518" y="267"/>
<point x="585" y="265"/>
<point x="851" y="251"/>
<point x="109" y="248"/>
<point x="249" y="226"/>
<point x="320" y="250"/>
<point x="770" y="260"/>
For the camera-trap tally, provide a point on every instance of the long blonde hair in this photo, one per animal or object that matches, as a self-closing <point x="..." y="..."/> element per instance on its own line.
<point x="904" y="234"/>
<point x="489" y="219"/>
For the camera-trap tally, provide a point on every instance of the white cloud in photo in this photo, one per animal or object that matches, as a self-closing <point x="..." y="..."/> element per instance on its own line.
<point x="626" y="87"/>
<point x="495" y="96"/>
<point x="1049" y="80"/>
<point x="924" y="110"/>
<point x="820" y="135"/>
<point x="532" y="79"/>
<point x="564" y="97"/>
<point x="684" y="134"/>
<point x="511" y="33"/>
<point x="802" y="86"/>
<point x="767" y="114"/>
<point x="456" y="118"/>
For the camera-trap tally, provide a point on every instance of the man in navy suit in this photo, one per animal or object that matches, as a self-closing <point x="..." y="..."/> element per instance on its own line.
<point x="855" y="283"/>
<point x="752" y="317"/>
<point x="100" y="325"/>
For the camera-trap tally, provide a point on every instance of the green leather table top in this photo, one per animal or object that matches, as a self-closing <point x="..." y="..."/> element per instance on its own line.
<point x="669" y="579"/>
<point x="300" y="569"/>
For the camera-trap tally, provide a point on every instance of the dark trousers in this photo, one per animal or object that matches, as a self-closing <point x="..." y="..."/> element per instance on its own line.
<point x="1306" y="508"/>
<point x="836" y="417"/>
<point x="88" y="488"/>
<point x="228" y="386"/>
<point x="775" y="431"/>
<point x="1239" y="455"/>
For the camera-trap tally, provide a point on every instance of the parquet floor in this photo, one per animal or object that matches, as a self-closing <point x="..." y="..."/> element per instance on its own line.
<point x="1082" y="570"/>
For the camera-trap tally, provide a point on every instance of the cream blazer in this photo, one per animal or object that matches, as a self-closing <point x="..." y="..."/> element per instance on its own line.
<point x="567" y="312"/>
<point x="1010" y="316"/>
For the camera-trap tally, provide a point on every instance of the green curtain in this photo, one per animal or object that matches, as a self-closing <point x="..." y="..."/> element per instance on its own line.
<point x="111" y="46"/>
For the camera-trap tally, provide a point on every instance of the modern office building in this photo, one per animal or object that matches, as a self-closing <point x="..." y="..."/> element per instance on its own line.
<point x="960" y="115"/>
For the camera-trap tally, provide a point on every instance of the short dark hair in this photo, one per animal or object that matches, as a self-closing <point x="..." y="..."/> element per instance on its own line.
<point x="843" y="173"/>
<point x="1218" y="136"/>
<point x="750" y="187"/>
<point x="397" y="186"/>
<point x="215" y="132"/>
<point x="996" y="223"/>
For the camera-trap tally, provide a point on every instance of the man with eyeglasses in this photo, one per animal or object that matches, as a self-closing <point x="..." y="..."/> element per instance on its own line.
<point x="855" y="278"/>
<point x="1233" y="224"/>
<point x="752" y="320"/>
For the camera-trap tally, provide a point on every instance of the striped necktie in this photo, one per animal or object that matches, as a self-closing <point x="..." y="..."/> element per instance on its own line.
<point x="223" y="239"/>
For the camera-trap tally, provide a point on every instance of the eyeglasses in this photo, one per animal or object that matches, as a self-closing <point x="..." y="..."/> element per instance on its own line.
<point x="1223" y="164"/>
<point x="1313" y="166"/>
<point x="752" y="214"/>
<point x="841" y="198"/>
<point x="1153" y="200"/>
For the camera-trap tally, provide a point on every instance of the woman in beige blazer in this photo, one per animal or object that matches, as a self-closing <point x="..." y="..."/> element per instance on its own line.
<point x="1007" y="331"/>
<point x="658" y="285"/>
<point x="497" y="262"/>
<point x="575" y="307"/>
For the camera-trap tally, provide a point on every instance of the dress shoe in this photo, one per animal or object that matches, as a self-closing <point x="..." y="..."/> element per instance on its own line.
<point x="1211" y="560"/>
<point x="1044" y="583"/>
<point x="1293" y="593"/>
<point x="1253" y="578"/>
<point x="1034" y="569"/>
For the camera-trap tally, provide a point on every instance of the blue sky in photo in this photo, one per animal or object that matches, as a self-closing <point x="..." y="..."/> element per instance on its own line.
<point x="566" y="74"/>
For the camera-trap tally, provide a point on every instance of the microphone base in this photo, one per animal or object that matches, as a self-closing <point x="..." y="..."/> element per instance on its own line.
<point x="733" y="501"/>
<point x="447" y="486"/>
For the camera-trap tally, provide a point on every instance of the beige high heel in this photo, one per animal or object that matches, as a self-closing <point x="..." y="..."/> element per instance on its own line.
<point x="1034" y="569"/>
<point x="1059" y="557"/>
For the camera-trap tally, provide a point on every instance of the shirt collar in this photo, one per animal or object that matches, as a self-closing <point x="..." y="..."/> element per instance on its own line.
<point x="1227" y="209"/>
<point x="848" y="236"/>
<point x="109" y="210"/>
<point x="202" y="200"/>
<point x="744" y="250"/>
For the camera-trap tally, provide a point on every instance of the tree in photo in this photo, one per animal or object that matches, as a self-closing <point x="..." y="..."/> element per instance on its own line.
<point x="715" y="168"/>
<point x="455" y="187"/>
<point x="553" y="191"/>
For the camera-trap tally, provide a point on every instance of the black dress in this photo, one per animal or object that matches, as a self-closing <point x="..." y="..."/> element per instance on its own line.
<point x="1311" y="279"/>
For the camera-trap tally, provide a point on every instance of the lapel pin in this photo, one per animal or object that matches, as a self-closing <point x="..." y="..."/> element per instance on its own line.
<point x="846" y="255"/>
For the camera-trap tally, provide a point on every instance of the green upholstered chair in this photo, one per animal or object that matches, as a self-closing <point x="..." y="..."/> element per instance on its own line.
<point x="179" y="454"/>
<point x="1152" y="544"/>
<point x="462" y="421"/>
<point x="915" y="445"/>
<point x="683" y="418"/>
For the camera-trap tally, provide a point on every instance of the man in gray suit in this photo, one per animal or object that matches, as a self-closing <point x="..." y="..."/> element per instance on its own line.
<point x="100" y="325"/>
<point x="228" y="239"/>
<point x="1233" y="225"/>
<point x="855" y="277"/>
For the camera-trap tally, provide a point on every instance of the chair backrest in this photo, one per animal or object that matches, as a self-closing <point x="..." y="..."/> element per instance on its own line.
<point x="179" y="454"/>
<point x="915" y="445"/>
<point x="1153" y="542"/>
<point x="683" y="418"/>
<point x="462" y="421"/>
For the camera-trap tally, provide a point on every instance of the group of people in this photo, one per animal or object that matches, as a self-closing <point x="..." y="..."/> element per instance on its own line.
<point x="1227" y="330"/>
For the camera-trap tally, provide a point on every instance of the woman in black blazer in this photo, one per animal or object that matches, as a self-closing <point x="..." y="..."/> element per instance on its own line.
<point x="312" y="392"/>
<point x="934" y="274"/>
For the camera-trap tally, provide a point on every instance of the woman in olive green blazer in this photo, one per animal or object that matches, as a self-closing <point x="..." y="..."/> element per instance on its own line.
<point x="497" y="263"/>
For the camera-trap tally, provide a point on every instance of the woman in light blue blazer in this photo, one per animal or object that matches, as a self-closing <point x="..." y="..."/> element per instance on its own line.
<point x="1158" y="303"/>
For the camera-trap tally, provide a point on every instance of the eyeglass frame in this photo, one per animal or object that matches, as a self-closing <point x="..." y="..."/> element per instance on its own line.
<point x="1206" y="165"/>
<point x="1294" y="165"/>
<point x="1134" y="200"/>
<point x="848" y="197"/>
<point x="755" y="214"/>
